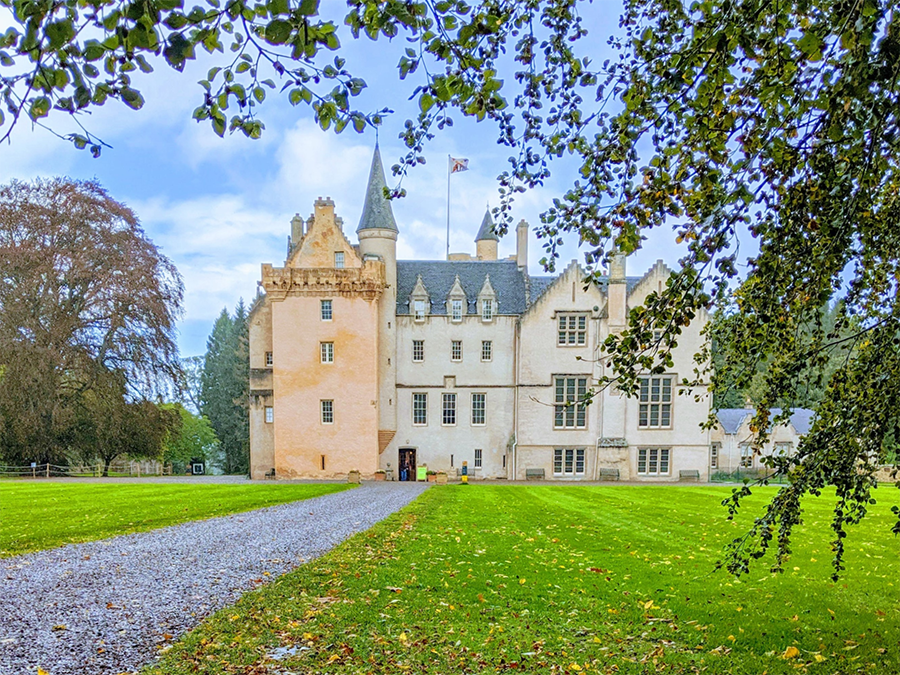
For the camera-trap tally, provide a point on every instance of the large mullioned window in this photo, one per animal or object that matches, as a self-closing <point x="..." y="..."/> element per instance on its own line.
<point x="655" y="403"/>
<point x="569" y="410"/>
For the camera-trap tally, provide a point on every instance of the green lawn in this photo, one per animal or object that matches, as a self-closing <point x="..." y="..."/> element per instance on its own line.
<point x="40" y="515"/>
<point x="563" y="580"/>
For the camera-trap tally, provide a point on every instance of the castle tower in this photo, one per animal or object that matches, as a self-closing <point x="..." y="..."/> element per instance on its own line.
<point x="486" y="241"/>
<point x="377" y="234"/>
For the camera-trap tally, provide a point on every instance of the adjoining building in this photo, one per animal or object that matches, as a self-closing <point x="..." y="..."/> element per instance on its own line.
<point x="359" y="361"/>
<point x="731" y="442"/>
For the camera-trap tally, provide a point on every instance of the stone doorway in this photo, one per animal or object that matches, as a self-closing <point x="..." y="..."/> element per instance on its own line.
<point x="407" y="464"/>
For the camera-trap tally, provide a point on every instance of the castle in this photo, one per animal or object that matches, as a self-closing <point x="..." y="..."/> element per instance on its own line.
<point x="363" y="362"/>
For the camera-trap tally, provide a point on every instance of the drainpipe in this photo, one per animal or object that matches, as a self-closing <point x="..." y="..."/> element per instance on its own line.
<point x="599" y="362"/>
<point x="515" y="446"/>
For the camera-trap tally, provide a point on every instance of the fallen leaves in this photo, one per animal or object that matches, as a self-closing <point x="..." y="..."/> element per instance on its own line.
<point x="791" y="653"/>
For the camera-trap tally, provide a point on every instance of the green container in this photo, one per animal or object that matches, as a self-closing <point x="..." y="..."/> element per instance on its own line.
<point x="422" y="472"/>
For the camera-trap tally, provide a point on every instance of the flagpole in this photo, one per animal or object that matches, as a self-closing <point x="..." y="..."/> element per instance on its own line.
<point x="448" y="207"/>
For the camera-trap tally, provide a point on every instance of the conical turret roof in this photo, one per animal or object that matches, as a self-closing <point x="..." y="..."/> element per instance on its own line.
<point x="487" y="228"/>
<point x="376" y="213"/>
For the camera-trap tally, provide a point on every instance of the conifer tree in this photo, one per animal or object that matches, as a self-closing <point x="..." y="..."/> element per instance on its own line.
<point x="224" y="386"/>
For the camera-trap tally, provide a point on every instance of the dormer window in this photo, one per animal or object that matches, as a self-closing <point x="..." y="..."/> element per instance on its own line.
<point x="419" y="302"/>
<point x="339" y="260"/>
<point x="456" y="308"/>
<point x="487" y="300"/>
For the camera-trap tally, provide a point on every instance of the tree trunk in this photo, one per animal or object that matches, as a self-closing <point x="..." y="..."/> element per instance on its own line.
<point x="106" y="463"/>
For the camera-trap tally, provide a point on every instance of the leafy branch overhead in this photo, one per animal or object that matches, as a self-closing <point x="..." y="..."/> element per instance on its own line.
<point x="721" y="119"/>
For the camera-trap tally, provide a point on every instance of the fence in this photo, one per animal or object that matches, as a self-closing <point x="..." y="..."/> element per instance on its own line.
<point x="118" y="468"/>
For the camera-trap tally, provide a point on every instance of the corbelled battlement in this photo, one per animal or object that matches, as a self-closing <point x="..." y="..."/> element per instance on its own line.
<point x="366" y="282"/>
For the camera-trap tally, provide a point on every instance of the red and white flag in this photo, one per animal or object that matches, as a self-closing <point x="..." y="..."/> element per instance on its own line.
<point x="458" y="165"/>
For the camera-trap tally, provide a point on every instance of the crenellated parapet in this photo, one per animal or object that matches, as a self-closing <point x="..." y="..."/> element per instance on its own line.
<point x="366" y="282"/>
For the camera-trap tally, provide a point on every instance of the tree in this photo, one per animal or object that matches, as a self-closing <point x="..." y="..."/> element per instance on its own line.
<point x="225" y="387"/>
<point x="87" y="321"/>
<point x="814" y="376"/>
<point x="715" y="119"/>
<point x="194" y="438"/>
<point x="189" y="391"/>
<point x="108" y="424"/>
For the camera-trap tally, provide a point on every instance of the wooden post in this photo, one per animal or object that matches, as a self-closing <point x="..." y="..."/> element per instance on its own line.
<point x="48" y="469"/>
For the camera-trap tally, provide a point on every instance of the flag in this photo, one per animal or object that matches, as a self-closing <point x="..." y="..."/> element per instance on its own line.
<point x="458" y="165"/>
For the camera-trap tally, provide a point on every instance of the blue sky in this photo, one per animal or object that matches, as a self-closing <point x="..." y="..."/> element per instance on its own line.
<point x="220" y="207"/>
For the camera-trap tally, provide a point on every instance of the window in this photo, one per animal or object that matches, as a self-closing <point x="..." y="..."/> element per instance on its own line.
<point x="418" y="350"/>
<point x="487" y="310"/>
<point x="568" y="462"/>
<point x="572" y="330"/>
<point x="569" y="413"/>
<point x="456" y="307"/>
<point x="478" y="406"/>
<point x="420" y="409"/>
<point x="327" y="349"/>
<point x="270" y="360"/>
<point x="653" y="462"/>
<point x="339" y="260"/>
<point x="783" y="449"/>
<point x="270" y="414"/>
<point x="327" y="412"/>
<point x="655" y="411"/>
<point x="322" y="461"/>
<point x="477" y="458"/>
<point x="487" y="349"/>
<point x="456" y="350"/>
<point x="714" y="450"/>
<point x="419" y="309"/>
<point x="325" y="306"/>
<point x="449" y="416"/>
<point x="746" y="456"/>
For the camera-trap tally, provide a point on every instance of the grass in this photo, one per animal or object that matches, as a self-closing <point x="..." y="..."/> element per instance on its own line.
<point x="562" y="580"/>
<point x="41" y="515"/>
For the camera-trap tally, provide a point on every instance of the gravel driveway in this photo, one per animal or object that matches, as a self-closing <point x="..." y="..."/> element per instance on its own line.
<point x="106" y="606"/>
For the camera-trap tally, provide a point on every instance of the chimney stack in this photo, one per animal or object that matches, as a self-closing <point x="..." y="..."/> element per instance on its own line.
<point x="296" y="228"/>
<point x="616" y="293"/>
<point x="522" y="245"/>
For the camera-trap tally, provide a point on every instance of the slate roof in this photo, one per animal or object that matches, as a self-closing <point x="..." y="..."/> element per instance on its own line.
<point x="486" y="231"/>
<point x="732" y="418"/>
<point x="376" y="213"/>
<point x="507" y="280"/>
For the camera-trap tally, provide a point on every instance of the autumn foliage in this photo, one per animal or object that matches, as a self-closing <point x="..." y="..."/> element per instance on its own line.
<point x="87" y="326"/>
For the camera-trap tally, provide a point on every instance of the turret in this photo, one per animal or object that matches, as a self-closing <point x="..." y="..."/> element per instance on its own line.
<point x="486" y="241"/>
<point x="377" y="234"/>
